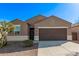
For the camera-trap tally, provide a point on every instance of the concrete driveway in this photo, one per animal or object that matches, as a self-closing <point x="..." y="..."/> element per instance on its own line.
<point x="58" y="48"/>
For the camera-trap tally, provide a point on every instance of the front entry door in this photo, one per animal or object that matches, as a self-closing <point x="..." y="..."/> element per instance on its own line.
<point x="31" y="34"/>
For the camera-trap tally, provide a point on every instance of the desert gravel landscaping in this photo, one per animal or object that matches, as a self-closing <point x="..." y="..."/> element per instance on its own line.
<point x="15" y="48"/>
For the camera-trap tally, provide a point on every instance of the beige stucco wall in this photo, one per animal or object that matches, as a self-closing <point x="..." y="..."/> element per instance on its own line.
<point x="53" y="22"/>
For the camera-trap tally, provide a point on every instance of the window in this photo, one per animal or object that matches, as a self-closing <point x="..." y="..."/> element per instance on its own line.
<point x="30" y="26"/>
<point x="17" y="29"/>
<point x="17" y="33"/>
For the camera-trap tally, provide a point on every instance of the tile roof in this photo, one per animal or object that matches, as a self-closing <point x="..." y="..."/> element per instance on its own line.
<point x="59" y="19"/>
<point x="36" y="19"/>
<point x="16" y="20"/>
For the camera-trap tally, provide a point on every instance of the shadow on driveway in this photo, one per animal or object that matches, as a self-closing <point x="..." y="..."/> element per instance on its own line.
<point x="45" y="44"/>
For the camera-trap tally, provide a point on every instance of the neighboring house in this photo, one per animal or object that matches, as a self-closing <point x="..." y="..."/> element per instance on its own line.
<point x="75" y="31"/>
<point x="42" y="28"/>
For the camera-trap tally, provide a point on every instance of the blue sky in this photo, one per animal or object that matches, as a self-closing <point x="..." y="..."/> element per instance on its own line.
<point x="24" y="11"/>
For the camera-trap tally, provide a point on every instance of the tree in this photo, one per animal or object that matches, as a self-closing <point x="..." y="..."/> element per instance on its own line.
<point x="5" y="28"/>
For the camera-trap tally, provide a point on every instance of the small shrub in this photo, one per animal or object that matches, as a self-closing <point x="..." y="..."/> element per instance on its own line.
<point x="28" y="43"/>
<point x="3" y="44"/>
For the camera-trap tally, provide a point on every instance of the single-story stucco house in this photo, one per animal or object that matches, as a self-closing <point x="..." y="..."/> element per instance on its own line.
<point x="42" y="28"/>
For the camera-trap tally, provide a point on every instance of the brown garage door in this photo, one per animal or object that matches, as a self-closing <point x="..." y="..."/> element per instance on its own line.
<point x="52" y="34"/>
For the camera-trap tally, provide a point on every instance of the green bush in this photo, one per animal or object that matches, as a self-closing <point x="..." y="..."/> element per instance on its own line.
<point x="28" y="43"/>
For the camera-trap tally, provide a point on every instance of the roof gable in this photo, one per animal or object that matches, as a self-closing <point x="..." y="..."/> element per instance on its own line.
<point x="16" y="20"/>
<point x="53" y="21"/>
<point x="36" y="19"/>
<point x="58" y="18"/>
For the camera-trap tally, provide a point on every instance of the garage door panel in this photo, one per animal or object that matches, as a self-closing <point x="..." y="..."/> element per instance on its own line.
<point x="53" y="34"/>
